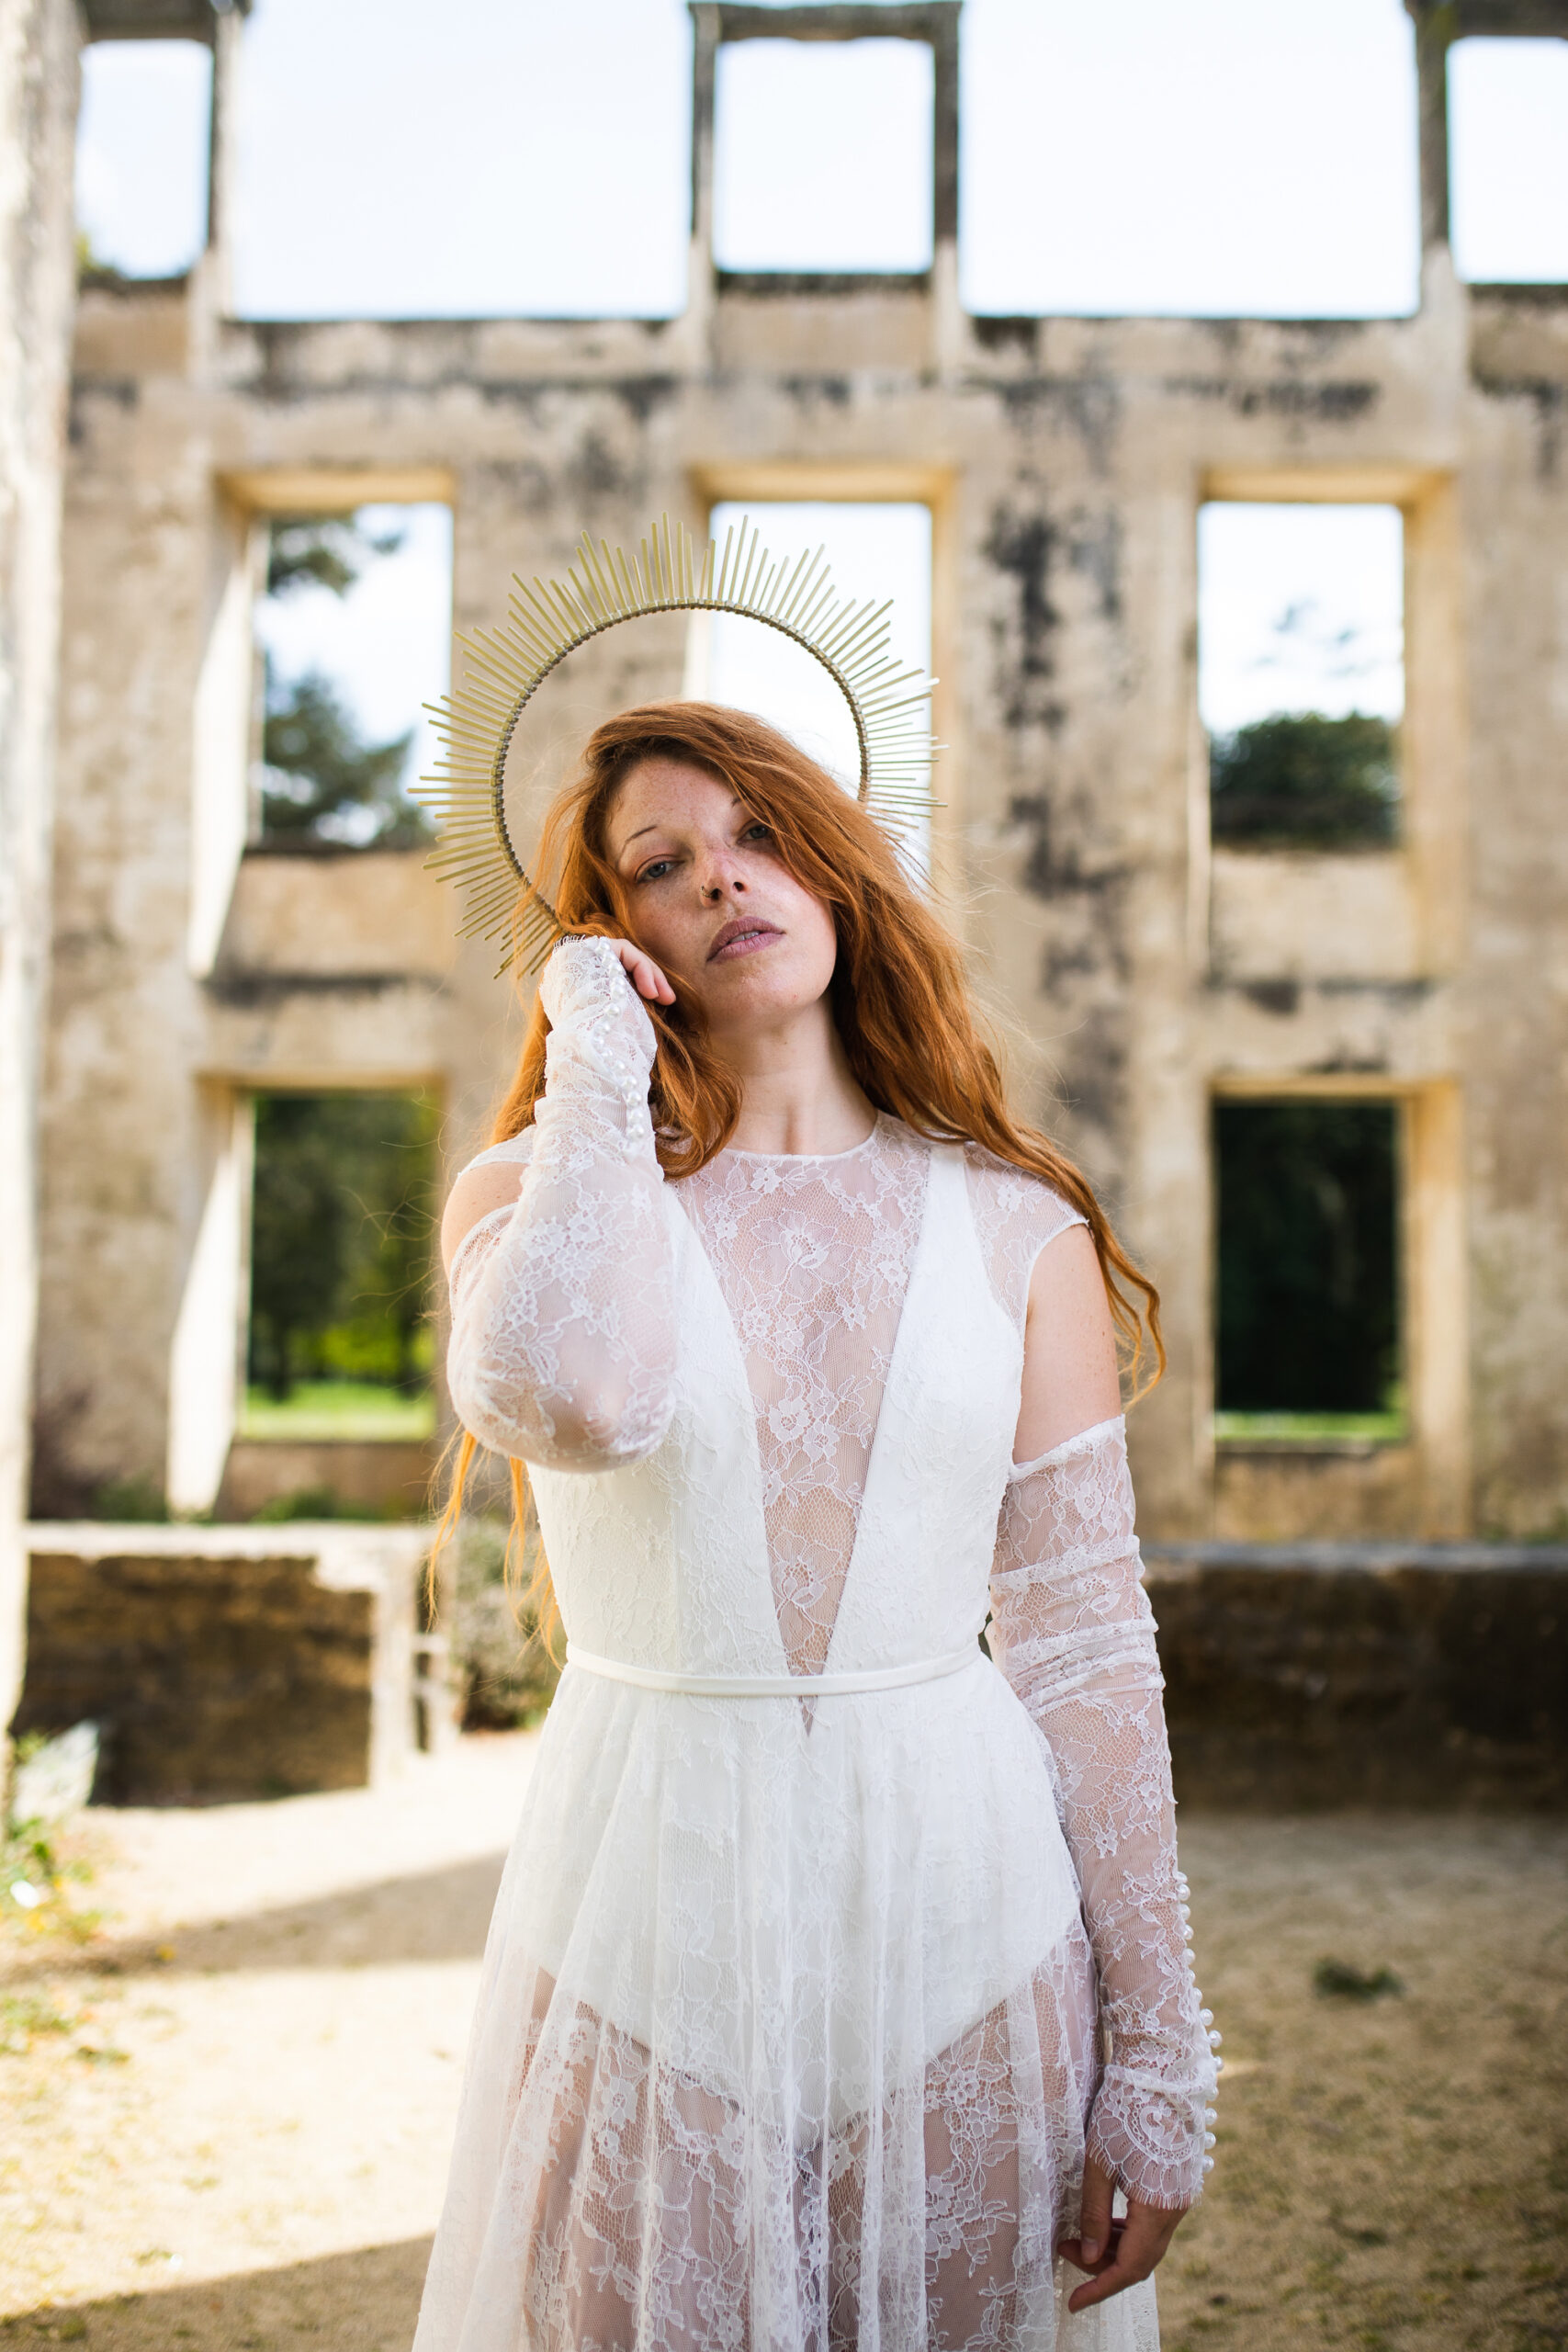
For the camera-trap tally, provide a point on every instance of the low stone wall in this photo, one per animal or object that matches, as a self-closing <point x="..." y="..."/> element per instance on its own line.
<point x="377" y="1474"/>
<point x="225" y="1662"/>
<point x="1323" y="1675"/>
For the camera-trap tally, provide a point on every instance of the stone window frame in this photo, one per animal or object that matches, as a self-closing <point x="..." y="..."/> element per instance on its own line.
<point x="1434" y="796"/>
<point x="1434" y="1273"/>
<point x="249" y="498"/>
<point x="209" y="1343"/>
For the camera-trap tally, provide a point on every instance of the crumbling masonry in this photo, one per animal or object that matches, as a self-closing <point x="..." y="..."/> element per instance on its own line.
<point x="1064" y="460"/>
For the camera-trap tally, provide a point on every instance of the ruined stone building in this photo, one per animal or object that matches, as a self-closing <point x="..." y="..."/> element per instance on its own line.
<point x="1146" y="973"/>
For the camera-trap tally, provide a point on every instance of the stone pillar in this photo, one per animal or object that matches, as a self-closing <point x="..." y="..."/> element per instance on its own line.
<point x="39" y="81"/>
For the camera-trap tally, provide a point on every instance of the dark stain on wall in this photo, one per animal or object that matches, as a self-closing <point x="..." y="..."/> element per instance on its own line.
<point x="1051" y="870"/>
<point x="1024" y="547"/>
<point x="123" y="393"/>
<point x="1094" y="550"/>
<point x="594" y="473"/>
<point x="1093" y="1089"/>
<point x="1273" y="996"/>
<point x="521" y="482"/>
<point x="1031" y="548"/>
<point x="1088" y="403"/>
<point x="1299" y="341"/>
<point x="809" y="391"/>
<point x="1550" y="403"/>
<point x="1341" y="403"/>
<point x="1006" y="334"/>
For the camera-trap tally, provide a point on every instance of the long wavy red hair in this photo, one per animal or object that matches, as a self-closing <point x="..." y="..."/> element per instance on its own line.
<point x="899" y="995"/>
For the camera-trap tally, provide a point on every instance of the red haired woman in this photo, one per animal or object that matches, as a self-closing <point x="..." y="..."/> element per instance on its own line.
<point x="838" y="1978"/>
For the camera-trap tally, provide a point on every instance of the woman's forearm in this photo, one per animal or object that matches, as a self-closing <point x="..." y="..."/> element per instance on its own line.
<point x="563" y="1322"/>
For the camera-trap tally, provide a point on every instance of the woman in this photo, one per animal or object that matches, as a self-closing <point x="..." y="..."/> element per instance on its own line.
<point x="839" y="1976"/>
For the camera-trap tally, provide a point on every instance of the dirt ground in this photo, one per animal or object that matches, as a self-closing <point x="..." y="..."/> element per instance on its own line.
<point x="227" y="2104"/>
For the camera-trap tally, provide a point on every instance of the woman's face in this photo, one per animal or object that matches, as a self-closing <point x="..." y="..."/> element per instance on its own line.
<point x="710" y="901"/>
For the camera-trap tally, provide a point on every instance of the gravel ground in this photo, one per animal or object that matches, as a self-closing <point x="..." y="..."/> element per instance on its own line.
<point x="227" y="2105"/>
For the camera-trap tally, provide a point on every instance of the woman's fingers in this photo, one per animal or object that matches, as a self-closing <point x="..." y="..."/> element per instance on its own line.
<point x="1092" y="2243"/>
<point x="1135" y="2249"/>
<point x="644" y="973"/>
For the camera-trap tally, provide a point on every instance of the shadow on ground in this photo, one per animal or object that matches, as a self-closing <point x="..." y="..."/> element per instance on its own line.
<point x="428" y="1915"/>
<point x="365" y="2301"/>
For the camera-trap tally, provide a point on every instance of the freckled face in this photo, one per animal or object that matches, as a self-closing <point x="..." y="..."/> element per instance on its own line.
<point x="710" y="901"/>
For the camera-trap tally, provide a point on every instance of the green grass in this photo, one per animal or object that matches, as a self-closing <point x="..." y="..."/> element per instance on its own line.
<point x="318" y="1410"/>
<point x="1311" y="1428"/>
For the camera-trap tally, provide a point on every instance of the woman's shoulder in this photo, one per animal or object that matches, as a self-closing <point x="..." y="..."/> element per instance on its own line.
<point x="482" y="1190"/>
<point x="1017" y="1214"/>
<point x="1015" y="1194"/>
<point x="512" y="1151"/>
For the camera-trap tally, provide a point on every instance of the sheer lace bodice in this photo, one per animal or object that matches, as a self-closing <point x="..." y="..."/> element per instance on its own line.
<point x="802" y="1375"/>
<point x="813" y="1256"/>
<point x="564" y="1351"/>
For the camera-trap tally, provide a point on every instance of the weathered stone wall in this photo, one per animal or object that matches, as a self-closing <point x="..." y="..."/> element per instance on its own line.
<point x="40" y="40"/>
<point x="225" y="1663"/>
<point x="377" y="1474"/>
<point x="1328" y="1675"/>
<point x="1064" y="460"/>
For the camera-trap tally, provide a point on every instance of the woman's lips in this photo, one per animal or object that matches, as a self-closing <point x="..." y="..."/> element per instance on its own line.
<point x="742" y="939"/>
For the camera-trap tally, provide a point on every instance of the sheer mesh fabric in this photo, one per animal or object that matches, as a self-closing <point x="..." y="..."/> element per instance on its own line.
<point x="1073" y="1632"/>
<point x="813" y="1256"/>
<point x="563" y="1310"/>
<point x="630" y="2185"/>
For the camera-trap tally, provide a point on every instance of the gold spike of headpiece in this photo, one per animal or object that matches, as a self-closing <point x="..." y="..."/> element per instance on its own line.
<point x="552" y="618"/>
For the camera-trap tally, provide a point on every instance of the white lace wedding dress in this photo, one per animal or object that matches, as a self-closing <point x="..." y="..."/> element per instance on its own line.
<point x="825" y="1944"/>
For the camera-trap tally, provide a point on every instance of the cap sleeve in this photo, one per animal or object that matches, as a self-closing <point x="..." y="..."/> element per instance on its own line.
<point x="1016" y="1217"/>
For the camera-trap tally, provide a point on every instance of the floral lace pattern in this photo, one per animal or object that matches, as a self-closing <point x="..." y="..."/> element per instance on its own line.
<point x="813" y="1256"/>
<point x="708" y="2109"/>
<point x="1073" y="1632"/>
<point x="563" y="1318"/>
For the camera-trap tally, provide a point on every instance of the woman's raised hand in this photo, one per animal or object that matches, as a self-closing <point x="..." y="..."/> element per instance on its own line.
<point x="1115" y="2254"/>
<point x="643" y="972"/>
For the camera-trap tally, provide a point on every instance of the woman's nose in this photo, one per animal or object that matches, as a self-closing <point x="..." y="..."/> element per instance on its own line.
<point x="720" y="884"/>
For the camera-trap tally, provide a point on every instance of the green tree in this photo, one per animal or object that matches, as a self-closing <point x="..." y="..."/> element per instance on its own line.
<point x="342" y="1220"/>
<point x="319" y="770"/>
<point x="1308" y="1256"/>
<point x="1305" y="782"/>
<point x="321" y="552"/>
<point x="322" y="781"/>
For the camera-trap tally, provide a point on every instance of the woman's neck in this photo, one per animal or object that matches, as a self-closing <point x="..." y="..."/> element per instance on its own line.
<point x="797" y="1093"/>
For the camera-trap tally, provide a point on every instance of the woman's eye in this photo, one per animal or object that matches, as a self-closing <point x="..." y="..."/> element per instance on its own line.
<point x="656" y="872"/>
<point x="757" y="833"/>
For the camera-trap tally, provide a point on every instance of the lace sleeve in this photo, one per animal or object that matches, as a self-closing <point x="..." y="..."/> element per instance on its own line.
<point x="1075" y="1635"/>
<point x="563" y="1317"/>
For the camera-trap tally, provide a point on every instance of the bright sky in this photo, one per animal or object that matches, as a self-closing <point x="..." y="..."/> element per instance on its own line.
<point x="386" y="644"/>
<point x="496" y="156"/>
<point x="1299" y="608"/>
<point x="1508" y="136"/>
<point x="874" y="551"/>
<point x="514" y="155"/>
<point x="798" y="183"/>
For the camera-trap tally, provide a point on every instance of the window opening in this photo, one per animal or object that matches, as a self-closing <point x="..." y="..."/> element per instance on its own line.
<point x="343" y="1217"/>
<point x="353" y="629"/>
<point x="1509" y="159"/>
<point x="143" y="151"/>
<point x="823" y="155"/>
<point x="877" y="551"/>
<point x="550" y="175"/>
<point x="1308" y="1345"/>
<point x="1103" y="149"/>
<point x="1301" y="672"/>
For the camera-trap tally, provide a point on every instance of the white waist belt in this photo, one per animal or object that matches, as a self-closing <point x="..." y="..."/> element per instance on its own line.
<point x="772" y="1686"/>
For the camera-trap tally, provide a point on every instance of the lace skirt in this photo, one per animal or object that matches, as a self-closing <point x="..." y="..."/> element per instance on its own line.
<point x="785" y="2040"/>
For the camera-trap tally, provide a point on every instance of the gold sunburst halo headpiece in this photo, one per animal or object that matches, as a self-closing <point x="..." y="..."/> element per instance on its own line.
<point x="553" y="617"/>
